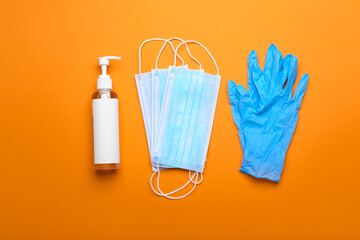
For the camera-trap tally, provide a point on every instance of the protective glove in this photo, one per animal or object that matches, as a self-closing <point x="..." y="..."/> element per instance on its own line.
<point x="266" y="115"/>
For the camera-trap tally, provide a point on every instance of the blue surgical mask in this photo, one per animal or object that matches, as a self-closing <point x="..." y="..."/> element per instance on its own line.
<point x="151" y="87"/>
<point x="186" y="121"/>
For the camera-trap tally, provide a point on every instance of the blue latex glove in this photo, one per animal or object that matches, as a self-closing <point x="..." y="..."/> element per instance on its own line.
<point x="266" y="115"/>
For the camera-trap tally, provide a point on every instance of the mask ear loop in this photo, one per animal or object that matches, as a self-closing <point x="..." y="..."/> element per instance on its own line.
<point x="156" y="39"/>
<point x="160" y="193"/>
<point x="175" y="53"/>
<point x="192" y="41"/>
<point x="162" y="48"/>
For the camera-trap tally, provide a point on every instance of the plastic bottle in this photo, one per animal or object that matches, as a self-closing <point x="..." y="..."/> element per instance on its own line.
<point x="105" y="121"/>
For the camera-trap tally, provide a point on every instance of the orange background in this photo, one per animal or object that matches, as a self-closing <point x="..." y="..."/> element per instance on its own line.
<point x="49" y="68"/>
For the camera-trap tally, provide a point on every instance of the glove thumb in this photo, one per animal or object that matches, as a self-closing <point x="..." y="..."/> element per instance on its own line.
<point x="235" y="92"/>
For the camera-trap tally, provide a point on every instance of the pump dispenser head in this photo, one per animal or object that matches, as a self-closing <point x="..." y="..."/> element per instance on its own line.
<point x="104" y="81"/>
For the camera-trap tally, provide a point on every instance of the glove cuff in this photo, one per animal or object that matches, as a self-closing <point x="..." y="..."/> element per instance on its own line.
<point x="269" y="168"/>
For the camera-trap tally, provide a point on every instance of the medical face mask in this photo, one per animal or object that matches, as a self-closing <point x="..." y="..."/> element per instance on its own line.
<point x="151" y="87"/>
<point x="186" y="121"/>
<point x="145" y="86"/>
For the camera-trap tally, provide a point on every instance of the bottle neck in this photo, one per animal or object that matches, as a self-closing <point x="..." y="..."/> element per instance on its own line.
<point x="104" y="93"/>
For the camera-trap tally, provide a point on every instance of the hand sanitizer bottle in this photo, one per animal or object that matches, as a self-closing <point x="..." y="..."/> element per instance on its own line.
<point x="105" y="121"/>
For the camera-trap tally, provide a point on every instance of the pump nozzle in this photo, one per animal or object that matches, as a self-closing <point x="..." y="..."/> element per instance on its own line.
<point x="104" y="80"/>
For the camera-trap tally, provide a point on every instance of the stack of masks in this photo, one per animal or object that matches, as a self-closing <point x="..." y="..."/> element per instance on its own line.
<point x="178" y="106"/>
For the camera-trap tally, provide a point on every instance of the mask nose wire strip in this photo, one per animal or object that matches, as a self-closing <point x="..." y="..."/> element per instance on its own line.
<point x="156" y="39"/>
<point x="160" y="193"/>
<point x="192" y="41"/>
<point x="187" y="48"/>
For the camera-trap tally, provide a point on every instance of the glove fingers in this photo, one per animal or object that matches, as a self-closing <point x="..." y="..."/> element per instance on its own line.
<point x="292" y="73"/>
<point x="234" y="96"/>
<point x="284" y="79"/>
<point x="241" y="90"/>
<point x="254" y="72"/>
<point x="270" y="56"/>
<point x="301" y="88"/>
<point x="262" y="87"/>
<point x="272" y="65"/>
<point x="276" y="72"/>
<point x="257" y="84"/>
<point x="236" y="92"/>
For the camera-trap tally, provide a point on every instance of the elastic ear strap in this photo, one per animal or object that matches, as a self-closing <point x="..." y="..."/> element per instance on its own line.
<point x="154" y="39"/>
<point x="192" y="177"/>
<point x="167" y="195"/>
<point x="192" y="41"/>
<point x="176" y="54"/>
<point x="162" y="48"/>
<point x="183" y="196"/>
